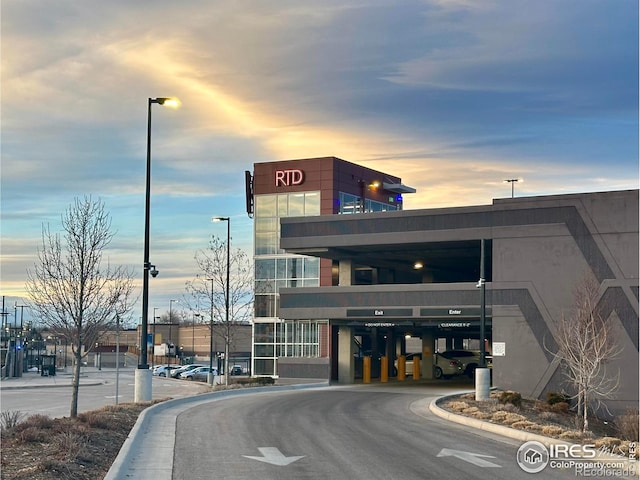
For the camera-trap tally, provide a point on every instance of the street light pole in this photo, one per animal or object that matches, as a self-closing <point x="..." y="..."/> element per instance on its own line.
<point x="143" y="374"/>
<point x="170" y="324"/>
<point x="512" y="181"/>
<point x="226" y="298"/>
<point x="210" y="374"/>
<point x="193" y="335"/>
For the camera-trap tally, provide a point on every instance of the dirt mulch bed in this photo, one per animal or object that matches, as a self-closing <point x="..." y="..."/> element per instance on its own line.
<point x="554" y="420"/>
<point x="43" y="448"/>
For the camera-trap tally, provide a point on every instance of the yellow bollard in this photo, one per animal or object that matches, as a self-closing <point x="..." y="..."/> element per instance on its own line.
<point x="416" y="367"/>
<point x="366" y="370"/>
<point x="384" y="369"/>
<point x="402" y="368"/>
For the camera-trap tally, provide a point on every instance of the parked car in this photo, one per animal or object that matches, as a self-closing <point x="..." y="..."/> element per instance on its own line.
<point x="199" y="373"/>
<point x="446" y="366"/>
<point x="185" y="368"/>
<point x="470" y="359"/>
<point x="236" y="370"/>
<point x="442" y="367"/>
<point x="162" y="370"/>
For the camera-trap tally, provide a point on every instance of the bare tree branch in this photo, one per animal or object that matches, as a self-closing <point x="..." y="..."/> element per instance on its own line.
<point x="586" y="344"/>
<point x="200" y="296"/>
<point x="70" y="290"/>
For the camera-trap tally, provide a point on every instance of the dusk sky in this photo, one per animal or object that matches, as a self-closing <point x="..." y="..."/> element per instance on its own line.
<point x="453" y="96"/>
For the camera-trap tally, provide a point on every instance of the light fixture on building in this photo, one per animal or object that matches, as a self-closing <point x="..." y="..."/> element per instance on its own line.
<point x="418" y="266"/>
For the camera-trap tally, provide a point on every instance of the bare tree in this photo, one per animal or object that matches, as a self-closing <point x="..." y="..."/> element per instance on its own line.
<point x="70" y="289"/>
<point x="209" y="289"/>
<point x="586" y="344"/>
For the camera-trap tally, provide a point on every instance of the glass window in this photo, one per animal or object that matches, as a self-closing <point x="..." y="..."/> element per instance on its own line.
<point x="294" y="267"/>
<point x="265" y="205"/>
<point x="266" y="268"/>
<point x="283" y="205"/>
<point x="281" y="271"/>
<point x="265" y="305"/>
<point x="312" y="204"/>
<point x="263" y="366"/>
<point x="264" y="350"/>
<point x="263" y="332"/>
<point x="296" y="205"/>
<point x="311" y="268"/>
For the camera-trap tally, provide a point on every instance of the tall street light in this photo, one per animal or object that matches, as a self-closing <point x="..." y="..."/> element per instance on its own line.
<point x="170" y="324"/>
<point x="143" y="374"/>
<point x="226" y="298"/>
<point x="512" y="181"/>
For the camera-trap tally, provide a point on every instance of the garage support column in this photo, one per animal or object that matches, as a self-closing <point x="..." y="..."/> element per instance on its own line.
<point x="346" y="361"/>
<point x="346" y="273"/>
<point x="427" y="355"/>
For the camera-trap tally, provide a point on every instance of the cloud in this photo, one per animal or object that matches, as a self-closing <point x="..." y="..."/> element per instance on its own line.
<point x="451" y="95"/>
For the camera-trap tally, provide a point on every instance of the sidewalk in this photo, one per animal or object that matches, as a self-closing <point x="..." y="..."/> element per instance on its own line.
<point x="62" y="378"/>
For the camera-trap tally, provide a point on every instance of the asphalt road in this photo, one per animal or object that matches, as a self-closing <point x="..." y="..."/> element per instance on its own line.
<point x="358" y="432"/>
<point x="97" y="389"/>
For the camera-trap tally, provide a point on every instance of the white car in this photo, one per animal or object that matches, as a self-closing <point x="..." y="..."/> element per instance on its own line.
<point x="470" y="359"/>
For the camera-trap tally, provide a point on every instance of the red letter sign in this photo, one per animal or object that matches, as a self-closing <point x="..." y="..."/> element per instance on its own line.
<point x="287" y="178"/>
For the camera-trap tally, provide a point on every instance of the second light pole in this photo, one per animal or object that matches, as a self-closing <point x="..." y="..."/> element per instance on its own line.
<point x="226" y="298"/>
<point x="142" y="388"/>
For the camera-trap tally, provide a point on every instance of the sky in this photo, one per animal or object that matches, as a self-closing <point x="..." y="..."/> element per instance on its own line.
<point x="453" y="96"/>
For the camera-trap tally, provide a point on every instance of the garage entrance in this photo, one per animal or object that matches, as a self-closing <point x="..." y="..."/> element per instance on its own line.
<point x="366" y="343"/>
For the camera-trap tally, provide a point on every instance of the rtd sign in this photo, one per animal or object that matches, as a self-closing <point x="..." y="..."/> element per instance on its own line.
<point x="287" y="178"/>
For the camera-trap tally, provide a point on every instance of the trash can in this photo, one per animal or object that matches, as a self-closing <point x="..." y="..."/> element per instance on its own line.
<point x="48" y="365"/>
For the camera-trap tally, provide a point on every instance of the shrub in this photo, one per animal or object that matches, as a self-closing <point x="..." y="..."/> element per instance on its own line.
<point x="560" y="407"/>
<point x="627" y="425"/>
<point x="265" y="381"/>
<point x="555" y="397"/>
<point x="38" y="422"/>
<point x="69" y="445"/>
<point x="458" y="406"/>
<point x="508" y="407"/>
<point x="526" y="425"/>
<point x="31" y="434"/>
<point x="571" y="434"/>
<point x="513" y="398"/>
<point x="10" y="418"/>
<point x="552" y="430"/>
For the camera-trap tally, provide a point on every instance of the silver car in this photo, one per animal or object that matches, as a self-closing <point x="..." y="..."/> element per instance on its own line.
<point x="200" y="374"/>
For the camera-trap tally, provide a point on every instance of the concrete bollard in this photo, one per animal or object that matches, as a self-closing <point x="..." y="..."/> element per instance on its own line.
<point x="483" y="383"/>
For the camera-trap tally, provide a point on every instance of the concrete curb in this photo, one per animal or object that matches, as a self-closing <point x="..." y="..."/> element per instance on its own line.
<point x="488" y="426"/>
<point x="502" y="430"/>
<point x="130" y="450"/>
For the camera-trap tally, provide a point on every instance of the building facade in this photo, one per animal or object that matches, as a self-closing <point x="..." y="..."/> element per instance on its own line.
<point x="414" y="274"/>
<point x="303" y="188"/>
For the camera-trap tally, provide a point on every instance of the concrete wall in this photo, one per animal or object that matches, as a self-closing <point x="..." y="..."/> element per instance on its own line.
<point x="291" y="367"/>
<point x="537" y="266"/>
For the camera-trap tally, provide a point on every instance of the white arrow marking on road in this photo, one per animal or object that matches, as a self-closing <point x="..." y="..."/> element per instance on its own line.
<point x="469" y="457"/>
<point x="274" y="456"/>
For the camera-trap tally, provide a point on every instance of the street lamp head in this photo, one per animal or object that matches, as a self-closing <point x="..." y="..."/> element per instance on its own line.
<point x="219" y="219"/>
<point x="166" y="101"/>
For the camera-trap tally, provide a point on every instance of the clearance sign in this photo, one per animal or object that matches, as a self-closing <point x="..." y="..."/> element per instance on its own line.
<point x="288" y="178"/>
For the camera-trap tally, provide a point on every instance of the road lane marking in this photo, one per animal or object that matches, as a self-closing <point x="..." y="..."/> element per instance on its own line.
<point x="274" y="456"/>
<point x="470" y="457"/>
